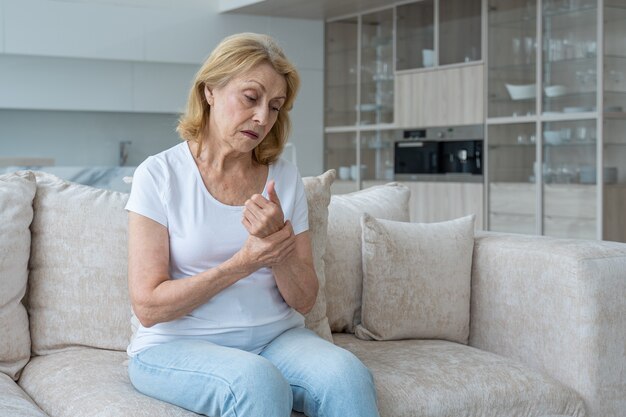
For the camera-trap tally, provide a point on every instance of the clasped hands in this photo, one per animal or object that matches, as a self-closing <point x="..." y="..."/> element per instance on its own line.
<point x="271" y="238"/>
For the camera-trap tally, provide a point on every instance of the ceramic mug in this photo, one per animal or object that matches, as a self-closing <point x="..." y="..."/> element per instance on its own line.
<point x="428" y="57"/>
<point x="344" y="173"/>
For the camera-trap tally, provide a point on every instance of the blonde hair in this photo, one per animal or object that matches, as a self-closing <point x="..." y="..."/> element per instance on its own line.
<point x="235" y="55"/>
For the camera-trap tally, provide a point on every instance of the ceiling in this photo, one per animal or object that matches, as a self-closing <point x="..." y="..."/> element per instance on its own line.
<point x="144" y="3"/>
<point x="301" y="9"/>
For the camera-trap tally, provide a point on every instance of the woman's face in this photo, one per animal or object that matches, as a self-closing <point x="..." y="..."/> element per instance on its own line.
<point x="244" y="110"/>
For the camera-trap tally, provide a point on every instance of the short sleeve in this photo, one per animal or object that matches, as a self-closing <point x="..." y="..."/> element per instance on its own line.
<point x="300" y="219"/>
<point x="146" y="196"/>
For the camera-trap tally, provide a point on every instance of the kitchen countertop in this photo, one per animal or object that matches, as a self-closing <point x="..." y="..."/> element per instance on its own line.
<point x="105" y="177"/>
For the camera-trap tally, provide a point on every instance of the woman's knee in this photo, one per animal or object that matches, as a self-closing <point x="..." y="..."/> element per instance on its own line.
<point x="346" y="372"/>
<point x="243" y="384"/>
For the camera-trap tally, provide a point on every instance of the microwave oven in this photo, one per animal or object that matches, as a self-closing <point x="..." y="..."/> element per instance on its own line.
<point x="439" y="151"/>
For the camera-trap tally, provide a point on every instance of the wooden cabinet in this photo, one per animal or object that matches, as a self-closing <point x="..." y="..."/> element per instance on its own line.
<point x="569" y="210"/>
<point x="444" y="97"/>
<point x="439" y="201"/>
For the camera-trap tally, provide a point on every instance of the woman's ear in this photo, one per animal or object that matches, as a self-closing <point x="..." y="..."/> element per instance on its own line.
<point x="208" y="95"/>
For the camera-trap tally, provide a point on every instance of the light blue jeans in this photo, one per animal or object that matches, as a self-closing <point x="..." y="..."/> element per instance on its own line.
<point x="296" y="370"/>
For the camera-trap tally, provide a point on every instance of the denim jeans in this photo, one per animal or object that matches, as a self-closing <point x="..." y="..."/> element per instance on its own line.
<point x="296" y="370"/>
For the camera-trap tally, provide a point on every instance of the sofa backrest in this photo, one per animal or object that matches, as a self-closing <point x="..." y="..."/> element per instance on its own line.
<point x="78" y="291"/>
<point x="78" y="266"/>
<point x="16" y="213"/>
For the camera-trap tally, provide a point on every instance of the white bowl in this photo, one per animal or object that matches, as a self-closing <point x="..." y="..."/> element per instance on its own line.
<point x="521" y="92"/>
<point x="555" y="90"/>
<point x="552" y="137"/>
<point x="579" y="109"/>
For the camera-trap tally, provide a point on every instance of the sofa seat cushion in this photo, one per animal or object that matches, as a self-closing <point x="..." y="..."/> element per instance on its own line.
<point x="15" y="402"/>
<point x="97" y="381"/>
<point x="88" y="382"/>
<point x="432" y="378"/>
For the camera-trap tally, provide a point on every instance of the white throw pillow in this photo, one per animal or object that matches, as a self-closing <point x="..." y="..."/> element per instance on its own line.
<point x="16" y="213"/>
<point x="344" y="274"/>
<point x="416" y="279"/>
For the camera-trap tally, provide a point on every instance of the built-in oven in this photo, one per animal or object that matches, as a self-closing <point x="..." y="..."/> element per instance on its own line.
<point x="435" y="151"/>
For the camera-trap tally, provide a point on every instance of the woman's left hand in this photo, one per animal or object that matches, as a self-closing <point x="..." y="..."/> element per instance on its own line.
<point x="263" y="217"/>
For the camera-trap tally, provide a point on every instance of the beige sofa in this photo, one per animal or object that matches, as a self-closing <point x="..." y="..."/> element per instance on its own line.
<point x="539" y="323"/>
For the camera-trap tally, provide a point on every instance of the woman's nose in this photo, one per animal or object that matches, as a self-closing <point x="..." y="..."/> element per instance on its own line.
<point x="261" y="115"/>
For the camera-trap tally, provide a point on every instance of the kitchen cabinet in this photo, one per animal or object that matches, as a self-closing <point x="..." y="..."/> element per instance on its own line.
<point x="556" y="94"/>
<point x="411" y="65"/>
<point x="435" y="201"/>
<point x="359" y="109"/>
<point x="445" y="97"/>
<point x="432" y="33"/>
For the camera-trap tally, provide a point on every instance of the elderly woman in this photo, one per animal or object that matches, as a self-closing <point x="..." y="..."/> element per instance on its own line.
<point x="220" y="262"/>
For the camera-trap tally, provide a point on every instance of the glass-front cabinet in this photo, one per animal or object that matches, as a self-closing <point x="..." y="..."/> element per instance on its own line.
<point x="556" y="134"/>
<point x="341" y="72"/>
<point x="364" y="54"/>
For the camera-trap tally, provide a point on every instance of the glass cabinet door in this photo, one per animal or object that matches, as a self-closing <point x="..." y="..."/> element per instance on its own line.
<point x="340" y="154"/>
<point x="415" y="43"/>
<point x="377" y="154"/>
<point x="615" y="57"/>
<point x="341" y="72"/>
<point x="614" y="175"/>
<point x="376" y="84"/>
<point x="512" y="58"/>
<point x="459" y="31"/>
<point x="569" y="186"/>
<point x="570" y="51"/>
<point x="512" y="168"/>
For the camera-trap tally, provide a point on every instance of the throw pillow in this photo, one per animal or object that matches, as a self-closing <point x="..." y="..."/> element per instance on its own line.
<point x="16" y="213"/>
<point x="416" y="279"/>
<point x="78" y="291"/>
<point x="318" y="196"/>
<point x="344" y="274"/>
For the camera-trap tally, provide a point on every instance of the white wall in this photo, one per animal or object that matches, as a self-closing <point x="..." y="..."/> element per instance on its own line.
<point x="68" y="65"/>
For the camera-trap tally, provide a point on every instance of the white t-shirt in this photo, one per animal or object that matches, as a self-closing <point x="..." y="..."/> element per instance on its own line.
<point x="203" y="233"/>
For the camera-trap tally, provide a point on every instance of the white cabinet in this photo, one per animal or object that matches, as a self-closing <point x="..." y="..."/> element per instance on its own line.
<point x="556" y="118"/>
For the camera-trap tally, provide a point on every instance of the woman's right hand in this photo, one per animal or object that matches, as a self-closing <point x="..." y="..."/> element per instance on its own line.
<point x="268" y="251"/>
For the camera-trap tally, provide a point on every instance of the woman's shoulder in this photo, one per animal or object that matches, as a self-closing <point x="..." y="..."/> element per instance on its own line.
<point x="161" y="164"/>
<point x="168" y="158"/>
<point x="285" y="169"/>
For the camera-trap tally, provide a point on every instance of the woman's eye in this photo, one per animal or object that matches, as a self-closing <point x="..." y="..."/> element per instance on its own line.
<point x="250" y="98"/>
<point x="275" y="109"/>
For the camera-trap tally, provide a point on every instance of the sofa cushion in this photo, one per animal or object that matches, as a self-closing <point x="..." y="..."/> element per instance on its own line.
<point x="416" y="279"/>
<point x="14" y="402"/>
<point x="99" y="383"/>
<point x="433" y="378"/>
<point x="16" y="213"/>
<point x="318" y="197"/>
<point x="344" y="273"/>
<point x="78" y="280"/>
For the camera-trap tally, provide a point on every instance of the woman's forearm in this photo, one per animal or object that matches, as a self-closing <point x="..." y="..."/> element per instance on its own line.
<point x="172" y="299"/>
<point x="296" y="278"/>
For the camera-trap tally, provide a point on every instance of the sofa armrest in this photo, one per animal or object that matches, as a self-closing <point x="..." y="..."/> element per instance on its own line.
<point x="558" y="305"/>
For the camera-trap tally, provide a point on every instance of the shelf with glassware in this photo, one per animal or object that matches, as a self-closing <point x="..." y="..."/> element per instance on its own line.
<point x="359" y="99"/>
<point x="567" y="193"/>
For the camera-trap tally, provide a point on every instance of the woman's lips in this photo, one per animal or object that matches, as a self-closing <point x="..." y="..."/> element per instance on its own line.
<point x="251" y="134"/>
